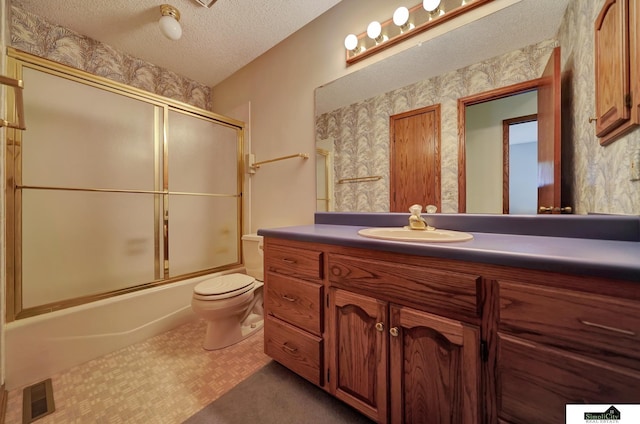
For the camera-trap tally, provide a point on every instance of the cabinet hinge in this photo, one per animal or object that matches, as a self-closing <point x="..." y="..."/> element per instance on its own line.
<point x="484" y="351"/>
<point x="328" y="375"/>
<point x="327" y="300"/>
<point x="627" y="100"/>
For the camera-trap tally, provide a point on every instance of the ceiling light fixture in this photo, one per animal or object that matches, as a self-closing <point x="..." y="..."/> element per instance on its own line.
<point x="169" y="22"/>
<point x="405" y="23"/>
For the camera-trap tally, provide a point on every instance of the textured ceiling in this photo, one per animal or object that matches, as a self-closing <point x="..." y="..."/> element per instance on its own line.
<point x="225" y="37"/>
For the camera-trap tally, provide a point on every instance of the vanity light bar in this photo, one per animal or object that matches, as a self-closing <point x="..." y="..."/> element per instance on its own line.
<point x="404" y="24"/>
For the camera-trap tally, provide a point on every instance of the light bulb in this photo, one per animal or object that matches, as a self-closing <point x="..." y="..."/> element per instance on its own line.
<point x="169" y="25"/>
<point x="430" y="5"/>
<point x="401" y="16"/>
<point x="351" y="42"/>
<point x="374" y="29"/>
<point x="170" y="28"/>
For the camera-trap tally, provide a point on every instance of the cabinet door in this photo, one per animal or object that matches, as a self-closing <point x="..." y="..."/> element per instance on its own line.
<point x="612" y="66"/>
<point x="434" y="369"/>
<point x="358" y="357"/>
<point x="536" y="382"/>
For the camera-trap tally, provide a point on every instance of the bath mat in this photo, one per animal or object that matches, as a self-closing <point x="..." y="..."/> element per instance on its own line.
<point x="275" y="395"/>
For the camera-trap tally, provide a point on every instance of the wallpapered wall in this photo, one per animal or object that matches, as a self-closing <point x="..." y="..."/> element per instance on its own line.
<point x="34" y="35"/>
<point x="599" y="175"/>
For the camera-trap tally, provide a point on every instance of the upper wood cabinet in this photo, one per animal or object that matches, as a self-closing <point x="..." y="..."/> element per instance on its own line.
<point x="617" y="72"/>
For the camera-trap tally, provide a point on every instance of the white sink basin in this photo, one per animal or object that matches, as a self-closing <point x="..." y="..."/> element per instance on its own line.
<point x="407" y="234"/>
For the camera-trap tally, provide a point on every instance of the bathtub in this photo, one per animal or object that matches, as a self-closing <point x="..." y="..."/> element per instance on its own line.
<point x="38" y="347"/>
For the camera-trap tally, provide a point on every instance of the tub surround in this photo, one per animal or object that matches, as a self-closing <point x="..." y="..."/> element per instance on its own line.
<point x="592" y="245"/>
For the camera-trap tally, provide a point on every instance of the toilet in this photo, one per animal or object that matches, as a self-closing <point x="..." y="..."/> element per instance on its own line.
<point x="232" y="303"/>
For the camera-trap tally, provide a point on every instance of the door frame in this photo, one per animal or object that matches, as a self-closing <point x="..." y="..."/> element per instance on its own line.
<point x="506" y="123"/>
<point x="463" y="102"/>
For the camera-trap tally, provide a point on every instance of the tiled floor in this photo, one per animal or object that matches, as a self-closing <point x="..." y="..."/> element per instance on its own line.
<point x="163" y="380"/>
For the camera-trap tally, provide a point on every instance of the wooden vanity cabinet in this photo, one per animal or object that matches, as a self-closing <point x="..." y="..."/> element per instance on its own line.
<point x="411" y="339"/>
<point x="392" y="359"/>
<point x="293" y="306"/>
<point x="557" y="346"/>
<point x="431" y="373"/>
<point x="617" y="69"/>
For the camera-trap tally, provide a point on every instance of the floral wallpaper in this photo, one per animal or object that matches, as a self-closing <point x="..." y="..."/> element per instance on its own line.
<point x="34" y="35"/>
<point x="598" y="176"/>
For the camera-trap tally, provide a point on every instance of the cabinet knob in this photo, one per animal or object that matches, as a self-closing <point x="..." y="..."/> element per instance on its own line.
<point x="591" y="120"/>
<point x="543" y="209"/>
<point x="380" y="326"/>
<point x="394" y="331"/>
<point x="288" y="298"/>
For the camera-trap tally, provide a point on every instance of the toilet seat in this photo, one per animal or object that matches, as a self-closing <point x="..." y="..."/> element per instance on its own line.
<point x="224" y="287"/>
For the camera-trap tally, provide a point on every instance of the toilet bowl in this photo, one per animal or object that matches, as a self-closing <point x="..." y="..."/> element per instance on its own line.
<point x="231" y="304"/>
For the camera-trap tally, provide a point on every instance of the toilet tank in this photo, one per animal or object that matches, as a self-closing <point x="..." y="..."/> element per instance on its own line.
<point x="253" y="255"/>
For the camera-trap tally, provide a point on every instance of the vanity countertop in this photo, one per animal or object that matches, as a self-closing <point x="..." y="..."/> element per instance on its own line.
<point x="616" y="256"/>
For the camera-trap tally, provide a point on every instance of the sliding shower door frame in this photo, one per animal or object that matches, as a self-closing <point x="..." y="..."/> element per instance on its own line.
<point x="16" y="63"/>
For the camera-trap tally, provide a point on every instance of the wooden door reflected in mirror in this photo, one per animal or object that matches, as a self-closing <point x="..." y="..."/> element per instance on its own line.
<point x="414" y="157"/>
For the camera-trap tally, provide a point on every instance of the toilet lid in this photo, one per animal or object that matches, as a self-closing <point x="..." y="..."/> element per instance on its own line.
<point x="224" y="285"/>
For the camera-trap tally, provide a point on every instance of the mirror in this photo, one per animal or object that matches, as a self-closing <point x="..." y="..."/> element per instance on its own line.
<point x="501" y="166"/>
<point x="352" y="113"/>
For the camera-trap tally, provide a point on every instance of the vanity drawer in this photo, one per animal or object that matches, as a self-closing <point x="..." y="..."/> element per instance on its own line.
<point x="300" y="263"/>
<point x="536" y="382"/>
<point x="581" y="322"/>
<point x="298" y="302"/>
<point x="299" y="351"/>
<point x="449" y="293"/>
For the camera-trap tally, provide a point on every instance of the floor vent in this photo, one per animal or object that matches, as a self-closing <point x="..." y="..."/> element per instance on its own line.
<point x="37" y="401"/>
